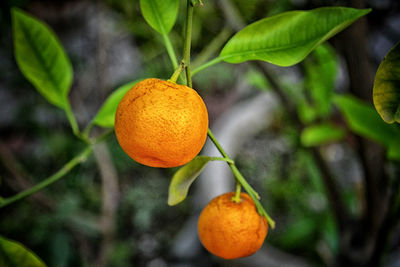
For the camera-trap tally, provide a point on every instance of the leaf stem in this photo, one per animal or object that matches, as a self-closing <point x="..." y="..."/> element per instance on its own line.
<point x="87" y="130"/>
<point x="242" y="181"/>
<point x="170" y="50"/>
<point x="103" y="136"/>
<point x="82" y="157"/>
<point x="71" y="119"/>
<point x="74" y="124"/>
<point x="206" y="65"/>
<point x="176" y="73"/>
<point x="223" y="159"/>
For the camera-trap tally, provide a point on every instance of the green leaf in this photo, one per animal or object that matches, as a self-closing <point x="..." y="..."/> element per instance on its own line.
<point x="365" y="121"/>
<point x="321" y="134"/>
<point x="298" y="232"/>
<point x="287" y="38"/>
<point x="321" y="70"/>
<point x="185" y="176"/>
<point x="257" y="79"/>
<point x="41" y="58"/>
<point x="14" y="254"/>
<point x="160" y="14"/>
<point x="393" y="152"/>
<point x="106" y="115"/>
<point x="386" y="91"/>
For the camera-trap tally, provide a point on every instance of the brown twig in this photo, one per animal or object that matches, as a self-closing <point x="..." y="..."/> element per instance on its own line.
<point x="108" y="173"/>
<point x="110" y="194"/>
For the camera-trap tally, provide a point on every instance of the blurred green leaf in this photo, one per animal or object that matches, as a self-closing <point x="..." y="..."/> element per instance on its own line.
<point x="160" y="14"/>
<point x="330" y="232"/>
<point x="321" y="71"/>
<point x="106" y="115"/>
<point x="257" y="79"/>
<point x="386" y="91"/>
<point x="300" y="231"/>
<point x="287" y="38"/>
<point x="321" y="68"/>
<point x="393" y="152"/>
<point x="14" y="254"/>
<point x="365" y="121"/>
<point x="320" y="134"/>
<point x="60" y="249"/>
<point x="184" y="177"/>
<point x="41" y="58"/>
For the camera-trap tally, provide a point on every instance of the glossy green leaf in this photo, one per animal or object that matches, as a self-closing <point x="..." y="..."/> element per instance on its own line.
<point x="160" y="14"/>
<point x="14" y="254"/>
<point x="185" y="176"/>
<point x="41" y="57"/>
<point x="321" y="134"/>
<point x="287" y="38"/>
<point x="386" y="92"/>
<point x="106" y="115"/>
<point x="365" y="121"/>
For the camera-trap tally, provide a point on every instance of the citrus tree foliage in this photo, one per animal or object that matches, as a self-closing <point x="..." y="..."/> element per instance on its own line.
<point x="387" y="87"/>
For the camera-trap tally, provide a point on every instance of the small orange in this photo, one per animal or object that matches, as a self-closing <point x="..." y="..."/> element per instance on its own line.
<point x="161" y="124"/>
<point x="232" y="230"/>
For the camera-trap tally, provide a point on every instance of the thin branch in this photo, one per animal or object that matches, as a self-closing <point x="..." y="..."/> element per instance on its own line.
<point x="50" y="180"/>
<point x="212" y="48"/>
<point x="242" y="181"/>
<point x="21" y="180"/>
<point x="110" y="195"/>
<point x="188" y="41"/>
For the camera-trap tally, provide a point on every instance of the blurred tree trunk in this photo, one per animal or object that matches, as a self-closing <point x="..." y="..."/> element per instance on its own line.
<point x="359" y="245"/>
<point x="362" y="239"/>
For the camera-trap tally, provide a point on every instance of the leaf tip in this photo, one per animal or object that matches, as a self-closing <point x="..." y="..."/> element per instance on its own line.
<point x="173" y="201"/>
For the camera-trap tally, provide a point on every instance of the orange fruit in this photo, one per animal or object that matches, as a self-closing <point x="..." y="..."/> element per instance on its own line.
<point x="232" y="230"/>
<point x="161" y="124"/>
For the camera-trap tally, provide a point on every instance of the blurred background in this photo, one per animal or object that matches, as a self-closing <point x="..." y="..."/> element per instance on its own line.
<point x="335" y="204"/>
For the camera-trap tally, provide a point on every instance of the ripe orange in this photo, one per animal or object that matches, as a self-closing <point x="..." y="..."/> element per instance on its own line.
<point x="232" y="230"/>
<point x="161" y="124"/>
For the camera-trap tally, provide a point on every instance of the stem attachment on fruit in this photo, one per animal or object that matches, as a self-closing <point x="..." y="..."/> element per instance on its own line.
<point x="176" y="73"/>
<point x="236" y="198"/>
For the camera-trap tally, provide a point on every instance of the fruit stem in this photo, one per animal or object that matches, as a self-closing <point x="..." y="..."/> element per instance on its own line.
<point x="176" y="73"/>
<point x="242" y="181"/>
<point x="82" y="157"/>
<point x="236" y="197"/>
<point x="188" y="40"/>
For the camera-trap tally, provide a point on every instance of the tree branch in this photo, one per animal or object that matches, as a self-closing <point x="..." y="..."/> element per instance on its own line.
<point x="110" y="194"/>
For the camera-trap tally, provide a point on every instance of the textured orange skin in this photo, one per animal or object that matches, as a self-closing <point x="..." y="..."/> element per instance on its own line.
<point x="231" y="230"/>
<point x="161" y="124"/>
